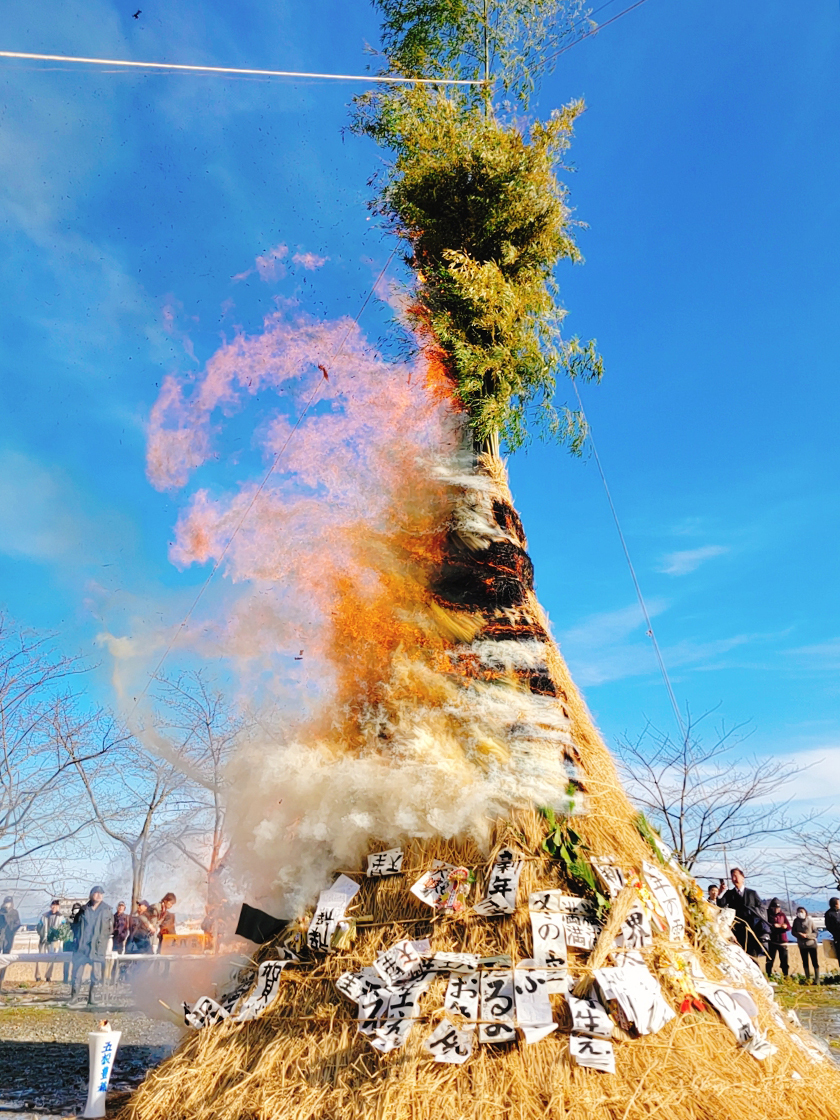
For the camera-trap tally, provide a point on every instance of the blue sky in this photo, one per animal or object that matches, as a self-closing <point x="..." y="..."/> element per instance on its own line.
<point x="706" y="168"/>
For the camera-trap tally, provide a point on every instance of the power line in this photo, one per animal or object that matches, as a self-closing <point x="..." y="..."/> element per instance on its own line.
<point x="650" y="631"/>
<point x="595" y="30"/>
<point x="312" y="397"/>
<point x="388" y="79"/>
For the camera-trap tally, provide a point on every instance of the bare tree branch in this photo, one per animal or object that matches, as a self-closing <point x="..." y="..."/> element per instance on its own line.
<point x="701" y="799"/>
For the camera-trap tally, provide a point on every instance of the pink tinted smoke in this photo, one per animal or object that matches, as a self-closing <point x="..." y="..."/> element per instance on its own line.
<point x="335" y="474"/>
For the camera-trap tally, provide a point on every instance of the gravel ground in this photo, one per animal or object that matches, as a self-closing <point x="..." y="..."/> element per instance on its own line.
<point x="44" y="1052"/>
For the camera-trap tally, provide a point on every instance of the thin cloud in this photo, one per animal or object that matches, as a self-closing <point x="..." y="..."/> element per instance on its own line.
<point x="823" y="655"/>
<point x="310" y="261"/>
<point x="268" y="265"/>
<point x="610" y="645"/>
<point x="690" y="559"/>
<point x="40" y="518"/>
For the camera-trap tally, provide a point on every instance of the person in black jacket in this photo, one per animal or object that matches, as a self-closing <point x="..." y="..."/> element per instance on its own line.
<point x="832" y="923"/>
<point x="749" y="914"/>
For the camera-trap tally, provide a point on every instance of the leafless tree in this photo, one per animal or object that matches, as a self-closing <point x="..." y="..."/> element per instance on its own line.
<point x="39" y="815"/>
<point x="699" y="796"/>
<point x="819" y="856"/>
<point x="200" y="731"/>
<point x="139" y="802"/>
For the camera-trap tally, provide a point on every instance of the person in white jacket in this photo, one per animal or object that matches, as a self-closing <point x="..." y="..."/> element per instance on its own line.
<point x="49" y="937"/>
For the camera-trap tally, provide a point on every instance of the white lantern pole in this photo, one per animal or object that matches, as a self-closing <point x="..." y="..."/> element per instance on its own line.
<point x="103" y="1048"/>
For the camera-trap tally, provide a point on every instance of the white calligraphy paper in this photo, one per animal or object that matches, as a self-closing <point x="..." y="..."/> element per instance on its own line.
<point x="453" y="962"/>
<point x="502" y="885"/>
<point x="738" y="1009"/>
<point x="353" y="984"/>
<point x="497" y="1006"/>
<point x="738" y="965"/>
<point x="400" y="1013"/>
<point x="558" y="902"/>
<point x="462" y="994"/>
<point x="449" y="1043"/>
<point x="611" y="875"/>
<point x="230" y="1000"/>
<point x="382" y="864"/>
<point x="638" y="994"/>
<point x="760" y="1046"/>
<point x="589" y="1016"/>
<point x="666" y="895"/>
<point x="549" y="937"/>
<point x="372" y="1004"/>
<point x="534" y="1015"/>
<point x="580" y="932"/>
<point x="635" y="930"/>
<point x="444" y="887"/>
<point x="729" y="1009"/>
<point x="331" y="908"/>
<point x="402" y="961"/>
<point x="595" y="1053"/>
<point x="266" y="990"/>
<point x="204" y="1012"/>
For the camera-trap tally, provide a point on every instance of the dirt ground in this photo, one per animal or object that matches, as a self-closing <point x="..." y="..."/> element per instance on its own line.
<point x="44" y="1052"/>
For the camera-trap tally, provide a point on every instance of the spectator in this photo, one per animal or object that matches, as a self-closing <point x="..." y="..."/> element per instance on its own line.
<point x="714" y="891"/>
<point x="96" y="924"/>
<point x="832" y="924"/>
<point x="72" y="942"/>
<point x="167" y="917"/>
<point x="750" y="927"/>
<point x="779" y="926"/>
<point x="805" y="932"/>
<point x="121" y="928"/>
<point x="153" y="916"/>
<point x="9" y="924"/>
<point x="140" y="930"/>
<point x="51" y="927"/>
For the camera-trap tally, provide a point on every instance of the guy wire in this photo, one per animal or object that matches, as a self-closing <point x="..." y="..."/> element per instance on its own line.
<point x="650" y="631"/>
<point x="595" y="30"/>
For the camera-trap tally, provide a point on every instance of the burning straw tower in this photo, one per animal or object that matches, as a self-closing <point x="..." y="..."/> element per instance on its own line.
<point x="516" y="941"/>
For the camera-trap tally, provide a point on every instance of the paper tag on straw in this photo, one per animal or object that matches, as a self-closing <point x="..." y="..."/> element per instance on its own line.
<point x="595" y="1053"/>
<point x="382" y="864"/>
<point x="331" y="908"/>
<point x="497" y="1007"/>
<point x="502" y="885"/>
<point x="401" y="961"/>
<point x="666" y="895"/>
<point x="453" y="962"/>
<point x="611" y="875"/>
<point x="444" y="887"/>
<point x="549" y="935"/>
<point x="534" y="1015"/>
<point x="462" y="994"/>
<point x="589" y="1016"/>
<point x="266" y="990"/>
<point x="450" y="1044"/>
<point x="204" y="1013"/>
<point x="580" y="932"/>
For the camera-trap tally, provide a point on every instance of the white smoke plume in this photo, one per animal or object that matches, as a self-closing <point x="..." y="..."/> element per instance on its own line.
<point x="332" y="560"/>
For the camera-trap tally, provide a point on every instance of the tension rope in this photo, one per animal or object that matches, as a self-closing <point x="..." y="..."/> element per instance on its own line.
<point x="651" y="633"/>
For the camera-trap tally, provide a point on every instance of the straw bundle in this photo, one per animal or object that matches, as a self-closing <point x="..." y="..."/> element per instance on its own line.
<point x="304" y="1059"/>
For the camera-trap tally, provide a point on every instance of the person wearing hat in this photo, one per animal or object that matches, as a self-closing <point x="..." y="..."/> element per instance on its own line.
<point x="50" y="928"/>
<point x="142" y="929"/>
<point x="95" y="928"/>
<point x="9" y="924"/>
